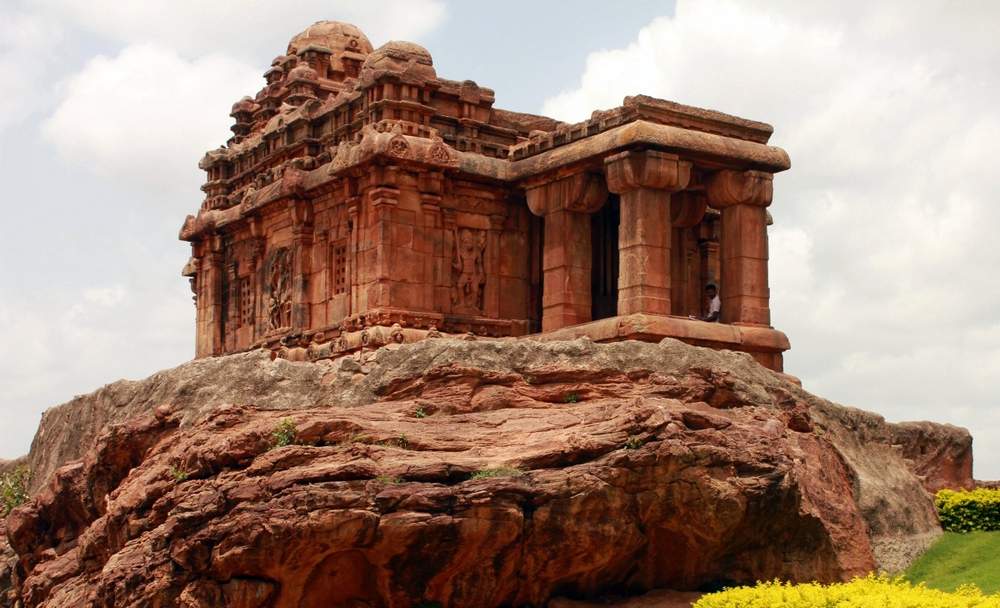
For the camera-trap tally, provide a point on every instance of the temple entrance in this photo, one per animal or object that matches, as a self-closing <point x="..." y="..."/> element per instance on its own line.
<point x="604" y="269"/>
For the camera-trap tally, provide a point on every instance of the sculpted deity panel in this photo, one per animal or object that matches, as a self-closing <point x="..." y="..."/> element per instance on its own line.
<point x="468" y="271"/>
<point x="278" y="275"/>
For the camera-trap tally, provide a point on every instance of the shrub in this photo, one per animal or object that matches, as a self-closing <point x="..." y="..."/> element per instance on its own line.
<point x="870" y="591"/>
<point x="399" y="441"/>
<point x="965" y="511"/>
<point x="178" y="474"/>
<point x="13" y="489"/>
<point x="498" y="472"/>
<point x="284" y="433"/>
<point x="634" y="443"/>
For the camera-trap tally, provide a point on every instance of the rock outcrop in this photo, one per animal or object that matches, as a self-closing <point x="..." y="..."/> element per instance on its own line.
<point x="465" y="473"/>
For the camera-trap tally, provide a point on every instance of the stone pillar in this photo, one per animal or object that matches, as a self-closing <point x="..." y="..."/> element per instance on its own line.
<point x="743" y="197"/>
<point x="566" y="204"/>
<point x="645" y="180"/>
<point x="302" y="238"/>
<point x="687" y="209"/>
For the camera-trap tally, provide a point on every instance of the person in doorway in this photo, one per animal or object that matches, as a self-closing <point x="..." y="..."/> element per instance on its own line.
<point x="714" y="304"/>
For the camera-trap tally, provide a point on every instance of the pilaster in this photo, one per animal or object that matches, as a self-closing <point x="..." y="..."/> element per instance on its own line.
<point x="302" y="240"/>
<point x="383" y="200"/>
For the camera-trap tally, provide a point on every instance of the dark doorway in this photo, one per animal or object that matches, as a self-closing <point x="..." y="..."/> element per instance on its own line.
<point x="604" y="271"/>
<point x="536" y="238"/>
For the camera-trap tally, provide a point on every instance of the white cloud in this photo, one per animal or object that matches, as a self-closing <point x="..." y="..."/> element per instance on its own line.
<point x="147" y="115"/>
<point x="883" y="249"/>
<point x="134" y="93"/>
<point x="74" y="341"/>
<point x="196" y="27"/>
<point x="27" y="44"/>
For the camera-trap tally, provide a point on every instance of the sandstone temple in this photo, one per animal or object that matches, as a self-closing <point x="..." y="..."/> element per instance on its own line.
<point x="364" y="200"/>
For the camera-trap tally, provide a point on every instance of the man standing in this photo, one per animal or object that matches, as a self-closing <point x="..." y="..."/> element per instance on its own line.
<point x="714" y="304"/>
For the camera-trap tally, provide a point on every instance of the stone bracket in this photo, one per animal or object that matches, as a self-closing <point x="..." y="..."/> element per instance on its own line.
<point x="687" y="209"/>
<point x="634" y="169"/>
<point x="730" y="187"/>
<point x="583" y="192"/>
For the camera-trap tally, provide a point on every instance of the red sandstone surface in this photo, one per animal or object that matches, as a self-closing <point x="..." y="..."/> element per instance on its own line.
<point x="620" y="468"/>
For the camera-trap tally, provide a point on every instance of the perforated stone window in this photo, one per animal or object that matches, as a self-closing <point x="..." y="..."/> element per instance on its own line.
<point x="246" y="302"/>
<point x="339" y="254"/>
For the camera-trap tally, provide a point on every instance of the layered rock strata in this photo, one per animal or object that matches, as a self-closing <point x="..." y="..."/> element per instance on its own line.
<point x="465" y="473"/>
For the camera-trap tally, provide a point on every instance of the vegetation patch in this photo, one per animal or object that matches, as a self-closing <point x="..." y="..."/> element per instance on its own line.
<point x="13" y="489"/>
<point x="571" y="398"/>
<point x="498" y="472"/>
<point x="868" y="592"/>
<point x="178" y="474"/>
<point x="389" y="479"/>
<point x="284" y="433"/>
<point x="957" y="559"/>
<point x="966" y="511"/>
<point x="399" y="441"/>
<point x="634" y="443"/>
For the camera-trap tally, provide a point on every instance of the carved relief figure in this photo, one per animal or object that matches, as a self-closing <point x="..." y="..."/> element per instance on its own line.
<point x="468" y="270"/>
<point x="279" y="286"/>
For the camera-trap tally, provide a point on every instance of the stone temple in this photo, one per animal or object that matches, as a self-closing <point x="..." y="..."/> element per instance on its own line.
<point x="364" y="200"/>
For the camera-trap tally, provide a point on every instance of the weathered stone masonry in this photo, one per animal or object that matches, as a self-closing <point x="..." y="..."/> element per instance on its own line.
<point x="362" y="199"/>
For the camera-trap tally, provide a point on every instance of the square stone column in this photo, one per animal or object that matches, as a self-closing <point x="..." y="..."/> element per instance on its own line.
<point x="644" y="180"/>
<point x="210" y="328"/>
<point x="743" y="197"/>
<point x="302" y="240"/>
<point x="566" y="204"/>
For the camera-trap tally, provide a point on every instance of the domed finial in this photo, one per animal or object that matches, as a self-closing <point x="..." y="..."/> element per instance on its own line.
<point x="336" y="36"/>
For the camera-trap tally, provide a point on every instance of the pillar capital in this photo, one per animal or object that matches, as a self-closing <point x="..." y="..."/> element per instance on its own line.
<point x="687" y="209"/>
<point x="730" y="187"/>
<point x="582" y="192"/>
<point x="634" y="169"/>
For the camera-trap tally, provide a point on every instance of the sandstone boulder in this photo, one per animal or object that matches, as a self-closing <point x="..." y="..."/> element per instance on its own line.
<point x="466" y="473"/>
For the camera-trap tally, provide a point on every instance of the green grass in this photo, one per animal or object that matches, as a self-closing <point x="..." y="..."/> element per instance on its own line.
<point x="956" y="559"/>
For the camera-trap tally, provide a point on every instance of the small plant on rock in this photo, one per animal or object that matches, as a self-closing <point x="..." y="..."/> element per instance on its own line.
<point x="178" y="474"/>
<point x="284" y="433"/>
<point x="388" y="479"/>
<point x="497" y="472"/>
<point x="420" y="413"/>
<point x="634" y="443"/>
<point x="13" y="489"/>
<point x="399" y="441"/>
<point x="571" y="398"/>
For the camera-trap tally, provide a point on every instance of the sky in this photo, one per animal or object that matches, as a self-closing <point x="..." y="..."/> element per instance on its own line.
<point x="884" y="250"/>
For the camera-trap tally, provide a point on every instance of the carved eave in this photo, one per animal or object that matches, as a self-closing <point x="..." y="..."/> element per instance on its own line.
<point x="676" y="114"/>
<point x="214" y="157"/>
<point x="190" y="268"/>
<point x="394" y="146"/>
<point x="711" y="149"/>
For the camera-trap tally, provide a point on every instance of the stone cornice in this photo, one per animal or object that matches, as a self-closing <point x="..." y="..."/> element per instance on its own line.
<point x="716" y="151"/>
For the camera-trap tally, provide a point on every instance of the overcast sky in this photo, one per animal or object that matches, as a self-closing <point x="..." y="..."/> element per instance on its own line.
<point x="884" y="256"/>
